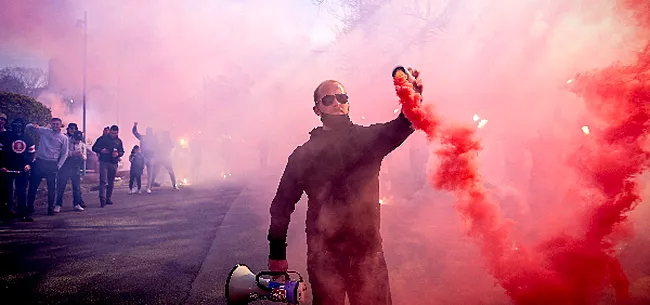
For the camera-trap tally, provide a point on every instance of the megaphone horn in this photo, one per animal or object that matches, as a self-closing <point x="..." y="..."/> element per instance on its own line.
<point x="243" y="287"/>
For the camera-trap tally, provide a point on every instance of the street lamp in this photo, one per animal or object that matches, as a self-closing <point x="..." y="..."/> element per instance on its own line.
<point x="85" y="25"/>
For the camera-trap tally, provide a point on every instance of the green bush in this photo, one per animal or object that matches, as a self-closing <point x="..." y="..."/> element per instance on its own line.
<point x="18" y="105"/>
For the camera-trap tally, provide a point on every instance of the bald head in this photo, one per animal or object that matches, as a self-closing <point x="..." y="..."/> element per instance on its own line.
<point x="337" y="102"/>
<point x="327" y="86"/>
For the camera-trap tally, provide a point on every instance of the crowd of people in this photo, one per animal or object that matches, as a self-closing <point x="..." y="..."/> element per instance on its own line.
<point x="59" y="157"/>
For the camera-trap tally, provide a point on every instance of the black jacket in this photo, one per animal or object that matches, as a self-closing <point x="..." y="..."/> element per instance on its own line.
<point x="339" y="171"/>
<point x="16" y="151"/>
<point x="110" y="144"/>
<point x="137" y="163"/>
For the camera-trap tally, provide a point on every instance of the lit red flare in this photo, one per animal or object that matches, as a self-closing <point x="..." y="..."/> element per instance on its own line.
<point x="420" y="115"/>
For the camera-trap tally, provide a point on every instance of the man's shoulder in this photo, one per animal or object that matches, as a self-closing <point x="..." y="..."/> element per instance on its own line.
<point x="62" y="137"/>
<point x="300" y="152"/>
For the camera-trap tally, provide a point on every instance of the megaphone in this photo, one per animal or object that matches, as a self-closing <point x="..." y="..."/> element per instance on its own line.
<point x="243" y="286"/>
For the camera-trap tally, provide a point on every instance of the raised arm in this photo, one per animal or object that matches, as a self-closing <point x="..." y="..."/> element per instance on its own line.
<point x="391" y="135"/>
<point x="35" y="128"/>
<point x="135" y="131"/>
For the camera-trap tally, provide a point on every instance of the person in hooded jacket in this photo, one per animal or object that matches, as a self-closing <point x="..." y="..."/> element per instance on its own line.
<point x="16" y="158"/>
<point x="338" y="169"/>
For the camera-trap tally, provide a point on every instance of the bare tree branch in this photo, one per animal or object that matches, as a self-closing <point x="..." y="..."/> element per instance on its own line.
<point x="32" y="79"/>
<point x="355" y="13"/>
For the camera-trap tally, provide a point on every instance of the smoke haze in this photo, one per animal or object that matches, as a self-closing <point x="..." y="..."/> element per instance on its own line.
<point x="242" y="72"/>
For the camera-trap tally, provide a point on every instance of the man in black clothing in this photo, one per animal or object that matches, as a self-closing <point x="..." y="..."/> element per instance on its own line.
<point x="16" y="158"/>
<point x="338" y="168"/>
<point x="110" y="149"/>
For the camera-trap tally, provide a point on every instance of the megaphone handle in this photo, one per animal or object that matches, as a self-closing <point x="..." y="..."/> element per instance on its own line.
<point x="269" y="273"/>
<point x="296" y="273"/>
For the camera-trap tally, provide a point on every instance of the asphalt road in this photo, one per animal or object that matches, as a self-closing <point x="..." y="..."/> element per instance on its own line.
<point x="177" y="247"/>
<point x="143" y="249"/>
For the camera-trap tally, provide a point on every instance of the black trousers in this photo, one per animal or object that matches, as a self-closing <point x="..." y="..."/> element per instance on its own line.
<point x="135" y="178"/>
<point x="107" y="172"/>
<point x="42" y="169"/>
<point x="15" y="185"/>
<point x="363" y="277"/>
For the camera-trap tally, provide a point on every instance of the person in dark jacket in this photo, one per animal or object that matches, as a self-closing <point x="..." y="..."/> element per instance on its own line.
<point x="338" y="168"/>
<point x="137" y="160"/>
<point x="16" y="159"/>
<point x="110" y="149"/>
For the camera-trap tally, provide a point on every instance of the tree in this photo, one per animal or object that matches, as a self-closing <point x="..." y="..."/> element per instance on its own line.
<point x="23" y="80"/>
<point x="11" y="83"/>
<point x="18" y="105"/>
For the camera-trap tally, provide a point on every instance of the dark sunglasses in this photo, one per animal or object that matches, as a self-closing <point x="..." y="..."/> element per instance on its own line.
<point x="329" y="99"/>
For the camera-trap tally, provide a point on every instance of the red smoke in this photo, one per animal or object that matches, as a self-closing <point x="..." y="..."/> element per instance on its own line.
<point x="564" y="268"/>
<point x="422" y="116"/>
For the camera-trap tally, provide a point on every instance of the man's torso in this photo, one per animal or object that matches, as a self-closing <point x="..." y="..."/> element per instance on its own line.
<point x="50" y="145"/>
<point x="340" y="176"/>
<point x="112" y="145"/>
<point x="15" y="149"/>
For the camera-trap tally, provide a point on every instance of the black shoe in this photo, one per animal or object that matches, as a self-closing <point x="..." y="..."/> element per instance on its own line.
<point x="26" y="219"/>
<point x="50" y="213"/>
<point x="109" y="202"/>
